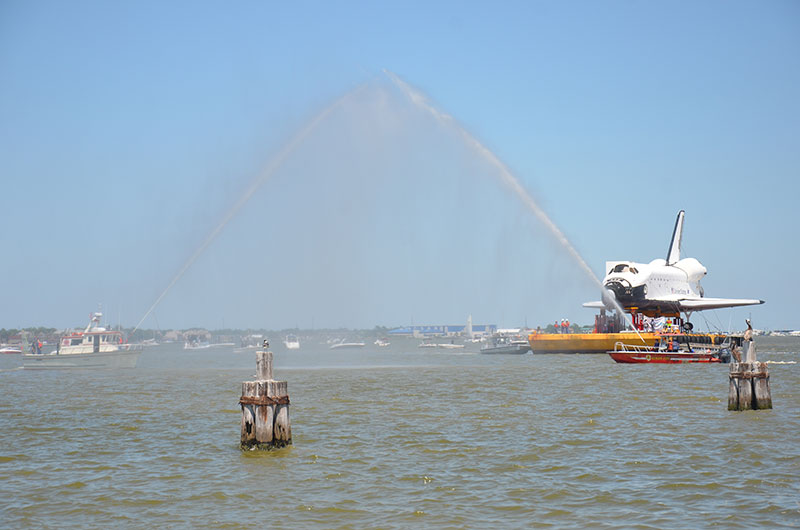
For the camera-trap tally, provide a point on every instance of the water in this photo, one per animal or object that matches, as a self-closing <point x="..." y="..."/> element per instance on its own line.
<point x="398" y="438"/>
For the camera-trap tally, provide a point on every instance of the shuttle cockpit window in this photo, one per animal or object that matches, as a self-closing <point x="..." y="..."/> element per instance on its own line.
<point x="622" y="267"/>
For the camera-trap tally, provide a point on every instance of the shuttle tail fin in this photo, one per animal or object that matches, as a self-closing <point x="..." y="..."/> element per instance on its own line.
<point x="674" y="252"/>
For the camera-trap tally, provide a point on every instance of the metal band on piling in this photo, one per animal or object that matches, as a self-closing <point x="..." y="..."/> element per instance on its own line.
<point x="264" y="400"/>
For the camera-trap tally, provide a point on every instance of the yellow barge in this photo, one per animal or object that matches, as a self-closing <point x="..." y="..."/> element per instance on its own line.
<point x="584" y="342"/>
<point x="604" y="342"/>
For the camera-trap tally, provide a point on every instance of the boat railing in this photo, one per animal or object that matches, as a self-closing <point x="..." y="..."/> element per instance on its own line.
<point x="621" y="346"/>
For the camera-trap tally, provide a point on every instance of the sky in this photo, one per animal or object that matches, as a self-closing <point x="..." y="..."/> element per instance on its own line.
<point x="252" y="164"/>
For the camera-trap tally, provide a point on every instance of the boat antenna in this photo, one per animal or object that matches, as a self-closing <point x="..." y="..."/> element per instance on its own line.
<point x="709" y="325"/>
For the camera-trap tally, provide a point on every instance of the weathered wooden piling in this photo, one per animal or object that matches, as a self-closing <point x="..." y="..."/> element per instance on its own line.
<point x="749" y="383"/>
<point x="265" y="408"/>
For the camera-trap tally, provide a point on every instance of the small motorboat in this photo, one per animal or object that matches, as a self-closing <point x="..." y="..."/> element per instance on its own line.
<point x="503" y="344"/>
<point x="291" y="342"/>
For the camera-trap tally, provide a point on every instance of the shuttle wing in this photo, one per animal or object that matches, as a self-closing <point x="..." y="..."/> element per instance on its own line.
<point x="695" y="304"/>
<point x="701" y="304"/>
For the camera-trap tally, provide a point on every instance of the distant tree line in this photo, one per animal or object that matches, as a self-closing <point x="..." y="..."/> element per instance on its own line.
<point x="41" y="332"/>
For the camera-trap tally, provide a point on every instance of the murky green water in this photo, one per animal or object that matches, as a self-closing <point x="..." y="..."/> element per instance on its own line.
<point x="400" y="438"/>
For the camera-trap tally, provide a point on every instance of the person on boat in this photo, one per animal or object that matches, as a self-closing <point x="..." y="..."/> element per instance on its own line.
<point x="566" y="326"/>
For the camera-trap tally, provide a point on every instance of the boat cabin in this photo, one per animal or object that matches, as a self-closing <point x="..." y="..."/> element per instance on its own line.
<point x="691" y="342"/>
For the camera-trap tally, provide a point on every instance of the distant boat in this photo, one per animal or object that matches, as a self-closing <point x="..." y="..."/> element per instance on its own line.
<point x="344" y="344"/>
<point x="195" y="344"/>
<point x="250" y="342"/>
<point x="94" y="347"/>
<point x="292" y="342"/>
<point x="11" y="349"/>
<point x="502" y="344"/>
<point x="383" y="342"/>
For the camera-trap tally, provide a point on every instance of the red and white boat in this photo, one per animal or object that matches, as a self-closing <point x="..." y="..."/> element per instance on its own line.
<point x="676" y="349"/>
<point x="94" y="347"/>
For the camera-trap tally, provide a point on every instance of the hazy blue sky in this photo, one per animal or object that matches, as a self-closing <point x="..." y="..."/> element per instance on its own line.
<point x="128" y="130"/>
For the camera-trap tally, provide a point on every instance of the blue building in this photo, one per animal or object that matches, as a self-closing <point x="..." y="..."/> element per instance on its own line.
<point x="479" y="329"/>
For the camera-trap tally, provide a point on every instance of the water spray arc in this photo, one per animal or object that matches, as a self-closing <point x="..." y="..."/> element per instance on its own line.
<point x="506" y="177"/>
<point x="504" y="174"/>
<point x="275" y="163"/>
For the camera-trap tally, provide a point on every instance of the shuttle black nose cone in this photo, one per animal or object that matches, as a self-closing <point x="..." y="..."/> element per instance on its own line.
<point x="615" y="289"/>
<point x="610" y="298"/>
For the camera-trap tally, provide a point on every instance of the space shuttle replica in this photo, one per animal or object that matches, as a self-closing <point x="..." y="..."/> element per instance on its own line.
<point x="661" y="287"/>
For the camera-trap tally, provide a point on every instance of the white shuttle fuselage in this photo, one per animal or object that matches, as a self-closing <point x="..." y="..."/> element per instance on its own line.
<point x="663" y="286"/>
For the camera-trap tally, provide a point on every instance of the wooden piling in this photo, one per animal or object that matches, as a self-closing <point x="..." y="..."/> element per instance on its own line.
<point x="761" y="391"/>
<point x="749" y="387"/>
<point x="265" y="408"/>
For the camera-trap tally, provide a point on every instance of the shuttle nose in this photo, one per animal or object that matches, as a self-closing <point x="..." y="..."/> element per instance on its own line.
<point x="615" y="289"/>
<point x="609" y="298"/>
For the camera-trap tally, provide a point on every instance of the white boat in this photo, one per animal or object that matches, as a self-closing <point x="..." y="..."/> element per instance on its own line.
<point x="196" y="345"/>
<point x="11" y="350"/>
<point x="507" y="345"/>
<point x="94" y="347"/>
<point x="382" y="343"/>
<point x="344" y="344"/>
<point x="291" y="342"/>
<point x="196" y="339"/>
